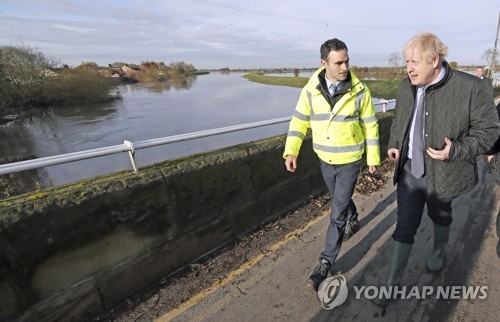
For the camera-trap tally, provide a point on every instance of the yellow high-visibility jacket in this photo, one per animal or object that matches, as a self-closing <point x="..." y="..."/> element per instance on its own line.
<point x="343" y="127"/>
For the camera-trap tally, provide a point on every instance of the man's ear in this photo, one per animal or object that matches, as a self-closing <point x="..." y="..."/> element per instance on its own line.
<point x="435" y="61"/>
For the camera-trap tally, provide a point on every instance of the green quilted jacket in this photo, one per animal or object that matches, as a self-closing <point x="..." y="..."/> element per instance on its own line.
<point x="458" y="107"/>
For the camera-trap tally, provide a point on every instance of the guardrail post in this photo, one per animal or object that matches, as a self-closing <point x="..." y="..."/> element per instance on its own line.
<point x="131" y="153"/>
<point x="384" y="105"/>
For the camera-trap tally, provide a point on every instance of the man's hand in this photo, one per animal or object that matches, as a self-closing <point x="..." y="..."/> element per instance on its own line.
<point x="372" y="168"/>
<point x="393" y="155"/>
<point x="443" y="154"/>
<point x="291" y="163"/>
<point x="488" y="158"/>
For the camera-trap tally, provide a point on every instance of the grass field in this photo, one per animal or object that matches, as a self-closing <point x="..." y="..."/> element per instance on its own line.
<point x="379" y="88"/>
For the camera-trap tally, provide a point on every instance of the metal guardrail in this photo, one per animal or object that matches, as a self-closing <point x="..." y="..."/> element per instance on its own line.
<point x="384" y="104"/>
<point x="132" y="147"/>
<point x="129" y="147"/>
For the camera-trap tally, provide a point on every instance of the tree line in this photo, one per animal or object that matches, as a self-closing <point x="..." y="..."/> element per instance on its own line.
<point x="396" y="60"/>
<point x="31" y="81"/>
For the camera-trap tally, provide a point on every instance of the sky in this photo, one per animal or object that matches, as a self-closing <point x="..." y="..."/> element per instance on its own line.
<point x="244" y="34"/>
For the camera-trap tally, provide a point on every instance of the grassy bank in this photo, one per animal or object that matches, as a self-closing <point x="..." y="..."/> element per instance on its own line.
<point x="379" y="88"/>
<point x="277" y="80"/>
<point x="382" y="88"/>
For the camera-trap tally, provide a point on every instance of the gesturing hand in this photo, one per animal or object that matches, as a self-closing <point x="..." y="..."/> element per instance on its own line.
<point x="443" y="154"/>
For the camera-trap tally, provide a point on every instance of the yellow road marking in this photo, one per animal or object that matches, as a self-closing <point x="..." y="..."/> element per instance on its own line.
<point x="169" y="316"/>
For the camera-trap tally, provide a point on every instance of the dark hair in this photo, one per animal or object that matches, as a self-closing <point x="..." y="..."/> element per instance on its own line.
<point x="332" y="44"/>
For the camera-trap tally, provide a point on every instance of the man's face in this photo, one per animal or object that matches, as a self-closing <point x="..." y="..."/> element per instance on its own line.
<point x="479" y="72"/>
<point x="336" y="65"/>
<point x="421" y="72"/>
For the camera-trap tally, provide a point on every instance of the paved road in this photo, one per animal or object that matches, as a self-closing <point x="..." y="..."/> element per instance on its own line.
<point x="273" y="287"/>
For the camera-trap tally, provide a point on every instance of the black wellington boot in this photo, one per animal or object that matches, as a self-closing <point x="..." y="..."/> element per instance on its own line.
<point x="436" y="261"/>
<point x="400" y="255"/>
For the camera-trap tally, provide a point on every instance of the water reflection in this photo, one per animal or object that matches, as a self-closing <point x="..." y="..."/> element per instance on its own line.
<point x="17" y="145"/>
<point x="83" y="113"/>
<point x="45" y="135"/>
<point x="159" y="87"/>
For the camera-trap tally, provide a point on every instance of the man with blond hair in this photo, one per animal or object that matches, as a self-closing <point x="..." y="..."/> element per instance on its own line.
<point x="443" y="120"/>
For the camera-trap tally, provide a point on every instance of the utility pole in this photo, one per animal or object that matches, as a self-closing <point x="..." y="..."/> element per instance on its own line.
<point x="492" y="71"/>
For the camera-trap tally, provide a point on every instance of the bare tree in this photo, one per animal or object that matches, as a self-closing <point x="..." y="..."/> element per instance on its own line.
<point x="487" y="56"/>
<point x="29" y="83"/>
<point x="395" y="59"/>
<point x="27" y="72"/>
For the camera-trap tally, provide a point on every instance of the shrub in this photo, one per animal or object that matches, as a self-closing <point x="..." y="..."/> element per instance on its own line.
<point x="25" y="74"/>
<point x="30" y="83"/>
<point x="79" y="86"/>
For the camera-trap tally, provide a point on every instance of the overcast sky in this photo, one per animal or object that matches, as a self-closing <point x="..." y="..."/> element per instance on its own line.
<point x="243" y="34"/>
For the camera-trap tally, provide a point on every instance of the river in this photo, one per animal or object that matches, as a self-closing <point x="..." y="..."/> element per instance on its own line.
<point x="148" y="111"/>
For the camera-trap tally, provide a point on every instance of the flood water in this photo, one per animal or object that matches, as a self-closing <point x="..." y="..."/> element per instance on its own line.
<point x="148" y="111"/>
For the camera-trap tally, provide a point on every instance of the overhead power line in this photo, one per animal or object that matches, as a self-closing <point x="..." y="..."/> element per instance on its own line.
<point x="324" y="23"/>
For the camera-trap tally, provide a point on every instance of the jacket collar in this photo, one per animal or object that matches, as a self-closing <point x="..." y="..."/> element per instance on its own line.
<point x="447" y="74"/>
<point x="321" y="82"/>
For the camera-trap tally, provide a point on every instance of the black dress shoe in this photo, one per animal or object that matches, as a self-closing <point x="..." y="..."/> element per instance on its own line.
<point x="320" y="273"/>
<point x="351" y="227"/>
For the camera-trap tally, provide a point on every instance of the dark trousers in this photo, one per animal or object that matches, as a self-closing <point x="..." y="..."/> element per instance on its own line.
<point x="412" y="196"/>
<point x="340" y="180"/>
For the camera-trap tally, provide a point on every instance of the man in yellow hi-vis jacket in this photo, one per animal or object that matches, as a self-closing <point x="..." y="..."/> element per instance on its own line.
<point x="338" y="108"/>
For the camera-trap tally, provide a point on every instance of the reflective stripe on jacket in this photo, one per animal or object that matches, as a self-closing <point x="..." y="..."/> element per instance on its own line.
<point x="343" y="127"/>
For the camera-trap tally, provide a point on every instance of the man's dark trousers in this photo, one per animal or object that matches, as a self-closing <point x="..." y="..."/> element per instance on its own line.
<point x="340" y="180"/>
<point x="412" y="197"/>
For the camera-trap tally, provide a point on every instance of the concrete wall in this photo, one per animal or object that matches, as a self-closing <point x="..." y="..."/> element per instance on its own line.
<point x="83" y="247"/>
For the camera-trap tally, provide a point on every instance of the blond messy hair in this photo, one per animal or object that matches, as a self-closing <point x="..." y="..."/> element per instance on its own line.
<point x="430" y="46"/>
